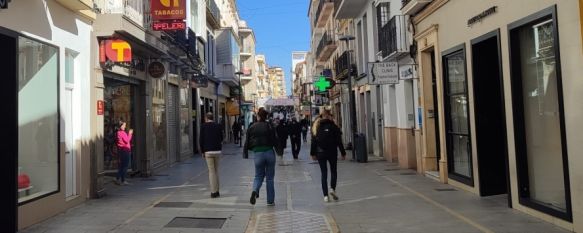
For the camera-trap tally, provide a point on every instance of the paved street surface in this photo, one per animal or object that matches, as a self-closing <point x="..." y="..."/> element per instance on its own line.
<point x="374" y="197"/>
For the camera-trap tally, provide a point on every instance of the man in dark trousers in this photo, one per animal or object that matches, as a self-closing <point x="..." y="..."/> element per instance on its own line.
<point x="282" y="133"/>
<point x="237" y="130"/>
<point x="295" y="131"/>
<point x="211" y="142"/>
<point x="305" y="125"/>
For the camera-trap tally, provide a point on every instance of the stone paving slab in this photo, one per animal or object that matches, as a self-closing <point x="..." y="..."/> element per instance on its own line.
<point x="374" y="197"/>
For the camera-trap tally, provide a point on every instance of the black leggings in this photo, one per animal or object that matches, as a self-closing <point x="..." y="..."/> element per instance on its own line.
<point x="333" y="170"/>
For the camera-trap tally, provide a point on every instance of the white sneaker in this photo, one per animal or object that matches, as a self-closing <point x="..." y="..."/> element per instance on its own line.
<point x="333" y="194"/>
<point x="326" y="199"/>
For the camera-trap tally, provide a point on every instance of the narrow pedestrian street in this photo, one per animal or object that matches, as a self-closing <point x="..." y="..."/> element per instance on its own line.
<point x="374" y="197"/>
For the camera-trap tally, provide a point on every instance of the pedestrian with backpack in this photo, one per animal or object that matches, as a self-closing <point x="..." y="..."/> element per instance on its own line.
<point x="326" y="140"/>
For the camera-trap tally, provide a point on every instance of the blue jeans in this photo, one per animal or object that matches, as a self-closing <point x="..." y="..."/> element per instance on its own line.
<point x="265" y="166"/>
<point x="124" y="162"/>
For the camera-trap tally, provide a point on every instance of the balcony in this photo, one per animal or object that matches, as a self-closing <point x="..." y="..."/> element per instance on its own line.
<point x="130" y="9"/>
<point x="412" y="7"/>
<point x="326" y="47"/>
<point x="348" y="9"/>
<point x="325" y="9"/>
<point x="213" y="13"/>
<point x="342" y="65"/>
<point x="246" y="52"/>
<point x="83" y="7"/>
<point x="393" y="37"/>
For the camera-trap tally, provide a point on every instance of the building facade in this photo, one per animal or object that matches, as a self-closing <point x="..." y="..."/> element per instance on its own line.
<point x="504" y="74"/>
<point x="48" y="62"/>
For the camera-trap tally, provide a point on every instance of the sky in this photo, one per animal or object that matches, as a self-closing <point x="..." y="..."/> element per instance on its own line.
<point x="280" y="26"/>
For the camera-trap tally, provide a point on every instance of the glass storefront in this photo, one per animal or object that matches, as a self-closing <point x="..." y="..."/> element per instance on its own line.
<point x="38" y="119"/>
<point x="539" y="116"/>
<point x="119" y="103"/>
<point x="457" y="124"/>
<point x="159" y="120"/>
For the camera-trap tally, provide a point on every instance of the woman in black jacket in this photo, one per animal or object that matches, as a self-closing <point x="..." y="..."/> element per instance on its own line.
<point x="262" y="140"/>
<point x="326" y="140"/>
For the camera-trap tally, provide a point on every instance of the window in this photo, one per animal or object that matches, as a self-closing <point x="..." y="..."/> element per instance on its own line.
<point x="383" y="14"/>
<point x="38" y="118"/>
<point x="538" y="114"/>
<point x="457" y="117"/>
<point x="70" y="67"/>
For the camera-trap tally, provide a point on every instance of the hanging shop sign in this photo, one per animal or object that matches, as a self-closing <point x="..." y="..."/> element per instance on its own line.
<point x="200" y="81"/>
<point x="407" y="72"/>
<point x="117" y="51"/>
<point x="232" y="108"/>
<point x="481" y="16"/>
<point x="383" y="73"/>
<point x="156" y="69"/>
<point x="168" y="10"/>
<point x="168" y="15"/>
<point x="324" y="83"/>
<point x="170" y="25"/>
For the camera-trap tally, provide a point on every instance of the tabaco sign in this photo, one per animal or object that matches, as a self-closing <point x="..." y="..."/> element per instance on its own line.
<point x="156" y="69"/>
<point x="117" y="51"/>
<point x="168" y="9"/>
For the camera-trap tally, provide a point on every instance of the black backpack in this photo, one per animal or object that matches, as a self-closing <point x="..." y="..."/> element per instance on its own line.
<point x="326" y="136"/>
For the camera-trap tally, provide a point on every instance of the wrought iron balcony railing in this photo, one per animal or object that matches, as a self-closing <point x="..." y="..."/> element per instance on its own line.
<point x="393" y="36"/>
<point x="214" y="9"/>
<point x="342" y="64"/>
<point x="326" y="40"/>
<point x="319" y="10"/>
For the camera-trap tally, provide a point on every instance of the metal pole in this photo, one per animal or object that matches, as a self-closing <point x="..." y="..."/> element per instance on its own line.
<point x="351" y="100"/>
<point x="240" y="111"/>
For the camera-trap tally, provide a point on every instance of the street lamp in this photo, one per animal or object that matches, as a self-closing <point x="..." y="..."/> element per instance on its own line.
<point x="351" y="101"/>
<point x="239" y="73"/>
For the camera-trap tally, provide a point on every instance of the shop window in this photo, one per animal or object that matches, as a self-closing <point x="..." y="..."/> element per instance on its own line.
<point x="538" y="114"/>
<point x="456" y="110"/>
<point x="38" y="119"/>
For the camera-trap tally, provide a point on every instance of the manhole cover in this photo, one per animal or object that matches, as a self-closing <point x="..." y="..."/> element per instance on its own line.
<point x="207" y="223"/>
<point x="408" y="174"/>
<point x="149" y="179"/>
<point x="313" y="162"/>
<point x="445" y="190"/>
<point x="161" y="175"/>
<point x="291" y="221"/>
<point x="392" y="169"/>
<point x="173" y="204"/>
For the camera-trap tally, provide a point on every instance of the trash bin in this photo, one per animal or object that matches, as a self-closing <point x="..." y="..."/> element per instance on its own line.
<point x="360" y="148"/>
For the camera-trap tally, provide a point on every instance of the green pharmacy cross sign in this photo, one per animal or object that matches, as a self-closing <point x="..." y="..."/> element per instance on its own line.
<point x="324" y="83"/>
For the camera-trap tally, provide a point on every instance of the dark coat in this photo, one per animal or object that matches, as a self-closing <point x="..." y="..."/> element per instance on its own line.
<point x="261" y="134"/>
<point x="211" y="137"/>
<point x="330" y="151"/>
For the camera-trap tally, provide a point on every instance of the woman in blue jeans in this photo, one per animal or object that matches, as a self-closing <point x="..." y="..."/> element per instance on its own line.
<point x="124" y="152"/>
<point x="262" y="140"/>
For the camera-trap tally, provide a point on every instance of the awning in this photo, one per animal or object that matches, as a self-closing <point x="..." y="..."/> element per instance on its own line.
<point x="280" y="102"/>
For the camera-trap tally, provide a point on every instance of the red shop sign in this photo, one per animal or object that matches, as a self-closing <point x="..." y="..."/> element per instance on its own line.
<point x="118" y="51"/>
<point x="168" y="10"/>
<point x="100" y="107"/>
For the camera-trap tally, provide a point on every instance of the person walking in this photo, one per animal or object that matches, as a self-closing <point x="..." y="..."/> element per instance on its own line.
<point x="236" y="131"/>
<point x="295" y="130"/>
<point x="262" y="140"/>
<point x="211" y="146"/>
<point x="282" y="133"/>
<point x="124" y="152"/>
<point x="326" y="140"/>
<point x="305" y="124"/>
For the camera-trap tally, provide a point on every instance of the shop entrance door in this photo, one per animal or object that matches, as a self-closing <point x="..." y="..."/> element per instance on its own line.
<point x="490" y="115"/>
<point x="119" y="99"/>
<point x="173" y="124"/>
